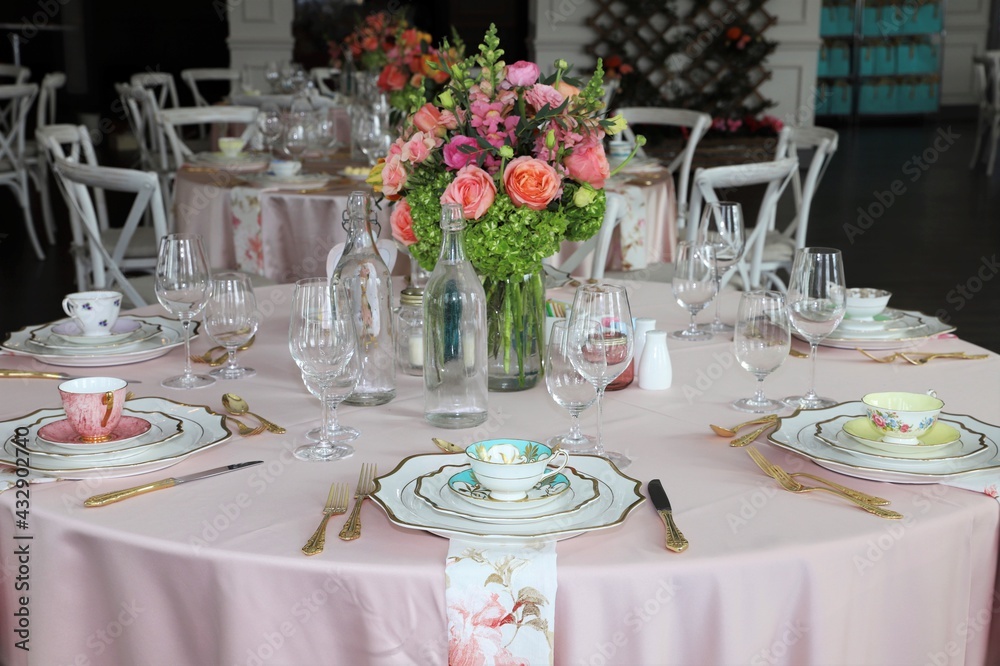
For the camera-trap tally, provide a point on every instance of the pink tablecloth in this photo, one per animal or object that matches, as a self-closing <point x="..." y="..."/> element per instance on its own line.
<point x="211" y="572"/>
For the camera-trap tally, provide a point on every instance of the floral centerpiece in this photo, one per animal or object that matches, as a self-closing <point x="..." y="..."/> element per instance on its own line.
<point x="523" y="155"/>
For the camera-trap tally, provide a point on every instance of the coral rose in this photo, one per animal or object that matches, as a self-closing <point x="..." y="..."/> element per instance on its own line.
<point x="531" y="182"/>
<point x="401" y="221"/>
<point x="392" y="78"/>
<point x="473" y="189"/>
<point x="393" y="176"/>
<point x="428" y="119"/>
<point x="566" y="90"/>
<point x="523" y="73"/>
<point x="588" y="163"/>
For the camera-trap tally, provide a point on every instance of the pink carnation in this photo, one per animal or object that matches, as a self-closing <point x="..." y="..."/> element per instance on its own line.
<point x="473" y="189"/>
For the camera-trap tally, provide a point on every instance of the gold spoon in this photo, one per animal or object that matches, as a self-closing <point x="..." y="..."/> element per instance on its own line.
<point x="795" y="353"/>
<point x="447" y="446"/>
<point x="237" y="406"/>
<point x="731" y="432"/>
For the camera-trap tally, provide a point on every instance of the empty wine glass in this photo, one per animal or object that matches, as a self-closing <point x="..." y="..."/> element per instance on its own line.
<point x="326" y="132"/>
<point x="568" y="388"/>
<point x="601" y="343"/>
<point x="269" y="124"/>
<point x="182" y="287"/>
<point x="722" y="227"/>
<point x="694" y="284"/>
<point x="296" y="138"/>
<point x="322" y="340"/>
<point x="816" y="304"/>
<point x="272" y="74"/>
<point x="341" y="387"/>
<point x="761" y="341"/>
<point x="231" y="319"/>
<point x="373" y="137"/>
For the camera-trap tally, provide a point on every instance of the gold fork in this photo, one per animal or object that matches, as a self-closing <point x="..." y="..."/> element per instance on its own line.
<point x="219" y="360"/>
<point x="246" y="430"/>
<point x="743" y="440"/>
<point x="915" y="359"/>
<point x="366" y="486"/>
<point x="336" y="504"/>
<point x="864" y="497"/>
<point x="791" y="485"/>
<point x="883" y="359"/>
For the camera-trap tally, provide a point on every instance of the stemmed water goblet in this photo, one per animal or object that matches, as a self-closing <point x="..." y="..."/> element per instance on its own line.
<point x="183" y="284"/>
<point x="760" y="341"/>
<point x="694" y="284"/>
<point x="231" y="319"/>
<point x="374" y="138"/>
<point x="601" y="343"/>
<point x="816" y="304"/>
<point x="272" y="74"/>
<point x="296" y="135"/>
<point x="269" y="124"/>
<point x="568" y="388"/>
<point x="323" y="342"/>
<point x="326" y="132"/>
<point x="722" y="226"/>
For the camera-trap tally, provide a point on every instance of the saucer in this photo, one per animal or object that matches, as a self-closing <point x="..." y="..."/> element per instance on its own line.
<point x="61" y="432"/>
<point x="879" y="322"/>
<point x="937" y="437"/>
<point x="69" y="331"/>
<point x="466" y="485"/>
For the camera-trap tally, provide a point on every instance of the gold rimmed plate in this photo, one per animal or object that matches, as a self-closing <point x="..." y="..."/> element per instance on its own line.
<point x="132" y="331"/>
<point x="949" y="441"/>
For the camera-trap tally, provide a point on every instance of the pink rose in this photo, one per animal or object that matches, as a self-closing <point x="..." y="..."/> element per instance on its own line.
<point x="428" y="119"/>
<point x="531" y="182"/>
<point x="523" y="73"/>
<point x="540" y="94"/>
<point x="588" y="163"/>
<point x="418" y="148"/>
<point x="473" y="189"/>
<point x="456" y="158"/>
<point x="401" y="221"/>
<point x="393" y="176"/>
<point x="391" y="78"/>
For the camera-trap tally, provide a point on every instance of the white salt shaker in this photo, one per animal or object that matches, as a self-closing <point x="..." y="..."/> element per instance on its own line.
<point x="641" y="326"/>
<point x="655" y="370"/>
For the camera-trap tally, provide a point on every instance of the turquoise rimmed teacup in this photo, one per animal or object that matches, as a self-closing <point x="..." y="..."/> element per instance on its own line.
<point x="509" y="468"/>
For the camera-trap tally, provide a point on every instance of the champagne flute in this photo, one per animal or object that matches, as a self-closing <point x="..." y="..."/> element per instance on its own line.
<point x="323" y="342"/>
<point x="722" y="226"/>
<point x="183" y="283"/>
<point x="761" y="340"/>
<point x="816" y="303"/>
<point x="601" y="343"/>
<point x="694" y="284"/>
<point x="568" y="388"/>
<point x="231" y="319"/>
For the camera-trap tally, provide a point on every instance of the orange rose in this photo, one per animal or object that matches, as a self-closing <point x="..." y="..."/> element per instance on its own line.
<point x="473" y="189"/>
<point x="566" y="89"/>
<point x="531" y="182"/>
<point x="428" y="119"/>
<point x="391" y="78"/>
<point x="430" y="68"/>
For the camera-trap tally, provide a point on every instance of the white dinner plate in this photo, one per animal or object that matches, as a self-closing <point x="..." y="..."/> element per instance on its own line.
<point x="908" y="338"/>
<point x="833" y="433"/>
<point x="797" y="433"/>
<point x="48" y="337"/>
<point x="303" y="181"/>
<point x="434" y="489"/>
<point x="201" y="429"/>
<point x="395" y="493"/>
<point x="241" y="162"/>
<point x="171" y="335"/>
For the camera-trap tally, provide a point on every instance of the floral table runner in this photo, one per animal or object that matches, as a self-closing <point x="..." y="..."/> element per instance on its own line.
<point x="247" y="237"/>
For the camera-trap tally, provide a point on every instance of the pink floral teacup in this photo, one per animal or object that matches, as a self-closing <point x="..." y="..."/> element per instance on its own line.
<point x="93" y="406"/>
<point x="901" y="418"/>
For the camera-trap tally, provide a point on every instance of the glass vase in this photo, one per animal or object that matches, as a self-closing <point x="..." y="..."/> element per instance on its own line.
<point x="515" y="315"/>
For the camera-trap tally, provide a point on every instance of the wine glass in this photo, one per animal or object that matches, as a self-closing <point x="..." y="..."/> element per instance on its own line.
<point x="694" y="284"/>
<point x="326" y="132"/>
<point x="246" y="80"/>
<point x="816" y="303"/>
<point x="231" y="319"/>
<point x="183" y="283"/>
<point x="269" y="124"/>
<point x="761" y="340"/>
<point x="296" y="138"/>
<point x="272" y="74"/>
<point x="722" y="226"/>
<point x="322" y="340"/>
<point x="568" y="388"/>
<point x="373" y="137"/>
<point x="601" y="343"/>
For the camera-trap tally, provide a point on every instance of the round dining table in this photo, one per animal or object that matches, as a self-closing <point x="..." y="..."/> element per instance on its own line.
<point x="212" y="571"/>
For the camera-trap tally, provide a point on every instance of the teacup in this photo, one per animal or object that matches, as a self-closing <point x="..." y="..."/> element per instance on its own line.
<point x="509" y="468"/>
<point x="93" y="406"/>
<point x="899" y="417"/>
<point x="285" y="168"/>
<point x="864" y="304"/>
<point x="230" y="145"/>
<point x="95" y="312"/>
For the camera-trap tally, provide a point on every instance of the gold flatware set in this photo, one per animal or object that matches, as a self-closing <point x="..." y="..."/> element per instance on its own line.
<point x="921" y="358"/>
<point x="765" y="422"/>
<point x="336" y="504"/>
<point x="214" y="358"/>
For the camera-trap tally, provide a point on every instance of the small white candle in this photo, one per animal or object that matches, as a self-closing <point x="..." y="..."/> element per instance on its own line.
<point x="469" y="349"/>
<point x="417" y="351"/>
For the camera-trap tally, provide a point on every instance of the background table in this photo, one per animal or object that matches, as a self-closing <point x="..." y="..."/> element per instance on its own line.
<point x="211" y="572"/>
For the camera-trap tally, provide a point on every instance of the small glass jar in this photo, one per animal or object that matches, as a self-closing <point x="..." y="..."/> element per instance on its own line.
<point x="410" y="331"/>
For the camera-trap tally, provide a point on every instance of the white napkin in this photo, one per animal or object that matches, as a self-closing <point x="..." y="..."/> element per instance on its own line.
<point x="9" y="478"/>
<point x="987" y="483"/>
<point x="501" y="602"/>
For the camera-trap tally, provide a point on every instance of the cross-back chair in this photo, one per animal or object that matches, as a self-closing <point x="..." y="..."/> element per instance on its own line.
<point x="173" y="120"/>
<point x="193" y="77"/>
<point x="161" y="84"/>
<point x="716" y="184"/>
<point x="38" y="165"/>
<point x="986" y="70"/>
<point x="696" y="124"/>
<point x="823" y="143"/>
<point x="15" y="103"/>
<point x="16" y="74"/>
<point x="591" y="256"/>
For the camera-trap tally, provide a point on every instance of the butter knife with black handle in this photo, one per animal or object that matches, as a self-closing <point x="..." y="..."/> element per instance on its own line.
<point x="675" y="540"/>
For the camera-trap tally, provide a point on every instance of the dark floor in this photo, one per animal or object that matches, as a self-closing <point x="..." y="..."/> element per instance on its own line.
<point x="900" y="201"/>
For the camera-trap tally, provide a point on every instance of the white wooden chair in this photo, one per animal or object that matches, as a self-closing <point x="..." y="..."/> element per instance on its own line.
<point x="15" y="102"/>
<point x="172" y="120"/>
<point x="697" y="124"/>
<point x="161" y="84"/>
<point x="791" y="141"/>
<point x="16" y="73"/>
<point x="192" y="77"/>
<point x="986" y="70"/>
<point x="591" y="256"/>
<point x="34" y="155"/>
<point x="116" y="250"/>
<point x="710" y="183"/>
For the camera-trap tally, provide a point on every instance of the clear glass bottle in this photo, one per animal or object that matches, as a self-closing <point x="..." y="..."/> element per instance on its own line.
<point x="366" y="276"/>
<point x="410" y="331"/>
<point x="455" y="377"/>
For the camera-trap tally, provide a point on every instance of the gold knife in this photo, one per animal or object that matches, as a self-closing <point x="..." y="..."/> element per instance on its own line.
<point x="675" y="539"/>
<point x="119" y="495"/>
<point x="31" y="374"/>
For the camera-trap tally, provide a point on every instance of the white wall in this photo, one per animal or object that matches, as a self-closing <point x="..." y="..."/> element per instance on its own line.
<point x="259" y="31"/>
